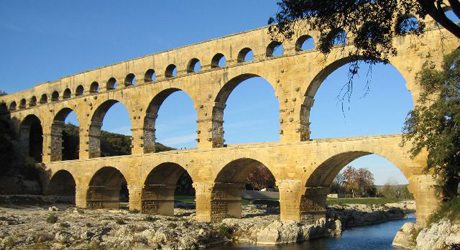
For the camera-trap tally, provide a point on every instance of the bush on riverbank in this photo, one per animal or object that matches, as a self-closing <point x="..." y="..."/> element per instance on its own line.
<point x="448" y="210"/>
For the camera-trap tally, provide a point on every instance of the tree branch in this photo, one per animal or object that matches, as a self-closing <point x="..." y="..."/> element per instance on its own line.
<point x="455" y="5"/>
<point x="439" y="16"/>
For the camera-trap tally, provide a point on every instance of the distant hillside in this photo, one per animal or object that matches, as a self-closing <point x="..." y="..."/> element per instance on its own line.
<point x="111" y="143"/>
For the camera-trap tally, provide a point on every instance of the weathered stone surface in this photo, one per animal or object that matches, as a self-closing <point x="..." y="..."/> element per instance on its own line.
<point x="404" y="237"/>
<point x="441" y="235"/>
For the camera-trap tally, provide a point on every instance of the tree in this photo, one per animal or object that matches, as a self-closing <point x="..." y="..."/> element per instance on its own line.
<point x="359" y="181"/>
<point x="434" y="123"/>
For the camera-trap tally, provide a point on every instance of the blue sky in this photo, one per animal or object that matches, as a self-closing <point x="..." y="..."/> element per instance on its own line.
<point x="46" y="40"/>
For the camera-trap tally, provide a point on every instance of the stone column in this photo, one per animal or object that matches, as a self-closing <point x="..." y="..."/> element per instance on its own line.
<point x="226" y="201"/>
<point x="210" y="126"/>
<point x="84" y="144"/>
<point x="290" y="191"/>
<point x="427" y="194"/>
<point x="148" y="133"/>
<point x="313" y="204"/>
<point x="135" y="196"/>
<point x="81" y="193"/>
<point x="94" y="140"/>
<point x="203" y="194"/>
<point x="137" y="141"/>
<point x="158" y="199"/>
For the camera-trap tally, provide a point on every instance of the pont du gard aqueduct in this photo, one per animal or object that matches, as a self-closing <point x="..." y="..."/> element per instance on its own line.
<point x="303" y="168"/>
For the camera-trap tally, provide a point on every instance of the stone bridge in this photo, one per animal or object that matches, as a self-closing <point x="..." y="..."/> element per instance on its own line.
<point x="303" y="168"/>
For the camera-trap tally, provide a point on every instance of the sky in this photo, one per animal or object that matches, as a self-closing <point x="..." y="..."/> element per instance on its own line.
<point x="46" y="40"/>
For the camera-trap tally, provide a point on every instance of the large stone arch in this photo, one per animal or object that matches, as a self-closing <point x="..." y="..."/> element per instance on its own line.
<point x="104" y="188"/>
<point x="159" y="188"/>
<point x="228" y="185"/>
<point x="94" y="130"/>
<point x="31" y="134"/>
<point x="312" y="88"/>
<point x="151" y="115"/>
<point x="57" y="133"/>
<point x="220" y="101"/>
<point x="63" y="185"/>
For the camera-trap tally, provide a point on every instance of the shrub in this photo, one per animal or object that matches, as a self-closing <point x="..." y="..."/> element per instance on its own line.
<point x="150" y="218"/>
<point x="172" y="225"/>
<point x="120" y="222"/>
<point x="224" y="230"/>
<point x="449" y="210"/>
<point x="52" y="219"/>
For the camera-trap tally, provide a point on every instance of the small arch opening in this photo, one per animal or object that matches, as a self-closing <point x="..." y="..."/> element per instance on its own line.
<point x="44" y="99"/>
<point x="275" y="48"/>
<point x="171" y="71"/>
<point x="245" y="55"/>
<point x="55" y="96"/>
<point x="340" y="38"/>
<point x="150" y="75"/>
<point x="67" y="94"/>
<point x="12" y="106"/>
<point x="130" y="80"/>
<point x="112" y="84"/>
<point x="218" y="61"/>
<point x="304" y="43"/>
<point x="79" y="91"/>
<point x="33" y="101"/>
<point x="22" y="104"/>
<point x="194" y="66"/>
<point x="94" y="88"/>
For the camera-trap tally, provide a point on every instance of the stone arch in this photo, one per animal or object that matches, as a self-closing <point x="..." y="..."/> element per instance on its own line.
<point x="228" y="186"/>
<point x="301" y="40"/>
<point x="97" y="118"/>
<point x="216" y="59"/>
<point x="315" y="84"/>
<point x="130" y="80"/>
<point x="33" y="101"/>
<point x="220" y="104"/>
<point x="23" y="103"/>
<point x="55" y="96"/>
<point x="171" y="71"/>
<point x="57" y="141"/>
<point x="67" y="94"/>
<point x="62" y="184"/>
<point x="272" y="47"/>
<point x="242" y="54"/>
<point x="192" y="64"/>
<point x="151" y="116"/>
<point x="79" y="91"/>
<point x="111" y="84"/>
<point x="44" y="99"/>
<point x="94" y="88"/>
<point x="159" y="188"/>
<point x="150" y="75"/>
<point x="31" y="134"/>
<point x="12" y="106"/>
<point x="104" y="188"/>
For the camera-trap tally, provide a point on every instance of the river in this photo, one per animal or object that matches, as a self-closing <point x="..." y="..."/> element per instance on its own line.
<point x="376" y="237"/>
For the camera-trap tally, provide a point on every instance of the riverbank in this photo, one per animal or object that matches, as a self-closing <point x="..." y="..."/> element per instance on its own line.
<point x="65" y="227"/>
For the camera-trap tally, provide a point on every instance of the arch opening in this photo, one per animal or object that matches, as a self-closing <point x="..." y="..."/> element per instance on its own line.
<point x="304" y="43"/>
<point x="23" y="104"/>
<point x="65" y="136"/>
<point x="353" y="174"/>
<point x="62" y="186"/>
<point x="250" y="109"/>
<point x="107" y="189"/>
<point x="43" y="99"/>
<point x="245" y="55"/>
<point x="130" y="80"/>
<point x="12" y="106"/>
<point x="367" y="112"/>
<point x="150" y="75"/>
<point x="161" y="123"/>
<point x="79" y="91"/>
<point x="67" y="94"/>
<point x="110" y="130"/>
<point x="111" y="84"/>
<point x="33" y="101"/>
<point x="275" y="49"/>
<point x="55" y="96"/>
<point x="194" y="66"/>
<point x="31" y="133"/>
<point x="218" y="61"/>
<point x="231" y="184"/>
<point x="165" y="188"/>
<point x="171" y="71"/>
<point x="94" y="88"/>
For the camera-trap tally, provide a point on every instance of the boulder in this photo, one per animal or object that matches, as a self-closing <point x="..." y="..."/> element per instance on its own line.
<point x="404" y="237"/>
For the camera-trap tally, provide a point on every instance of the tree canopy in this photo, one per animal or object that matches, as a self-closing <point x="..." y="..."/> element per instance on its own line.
<point x="434" y="124"/>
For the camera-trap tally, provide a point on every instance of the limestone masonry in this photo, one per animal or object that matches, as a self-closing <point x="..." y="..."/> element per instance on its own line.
<point x="303" y="168"/>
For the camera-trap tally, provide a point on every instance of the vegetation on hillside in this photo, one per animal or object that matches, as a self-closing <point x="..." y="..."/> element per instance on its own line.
<point x="356" y="182"/>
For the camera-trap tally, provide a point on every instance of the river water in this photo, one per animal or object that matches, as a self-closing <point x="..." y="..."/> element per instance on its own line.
<point x="376" y="237"/>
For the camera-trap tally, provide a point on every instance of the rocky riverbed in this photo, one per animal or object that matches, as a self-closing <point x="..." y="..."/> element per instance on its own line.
<point x="65" y="227"/>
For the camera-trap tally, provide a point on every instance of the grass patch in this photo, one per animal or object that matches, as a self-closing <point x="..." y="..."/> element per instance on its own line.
<point x="184" y="199"/>
<point x="224" y="230"/>
<point x="150" y="218"/>
<point x="369" y="201"/>
<point x="120" y="222"/>
<point x="52" y="219"/>
<point x="448" y="210"/>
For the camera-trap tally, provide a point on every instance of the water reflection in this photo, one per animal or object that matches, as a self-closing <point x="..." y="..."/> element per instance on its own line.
<point x="377" y="237"/>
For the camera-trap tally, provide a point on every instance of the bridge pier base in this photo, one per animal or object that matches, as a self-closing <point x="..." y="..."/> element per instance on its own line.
<point x="313" y="204"/>
<point x="158" y="199"/>
<point x="427" y="194"/>
<point x="81" y="193"/>
<point x="226" y="201"/>
<point x="203" y="194"/>
<point x="290" y="191"/>
<point x="135" y="198"/>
